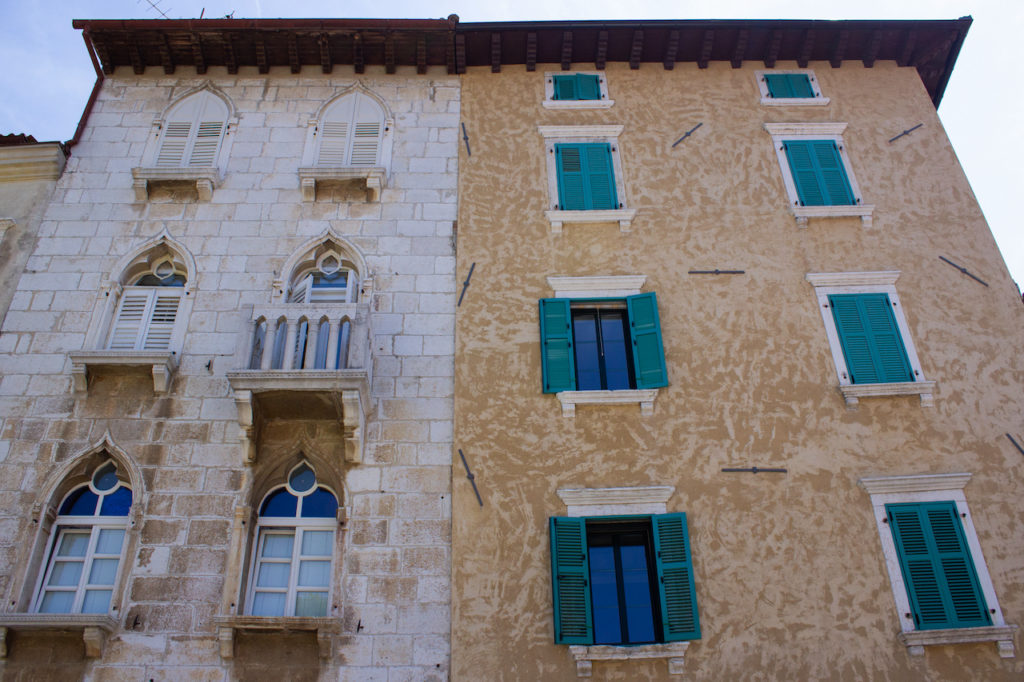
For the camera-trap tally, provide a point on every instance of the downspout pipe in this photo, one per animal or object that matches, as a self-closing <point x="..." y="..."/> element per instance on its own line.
<point x="92" y="96"/>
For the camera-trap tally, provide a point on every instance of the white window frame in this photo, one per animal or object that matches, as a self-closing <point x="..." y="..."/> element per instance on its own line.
<point x="828" y="283"/>
<point x="549" y="92"/>
<point x="277" y="525"/>
<point x="595" y="134"/>
<point x="768" y="100"/>
<point x="785" y="132"/>
<point x="934" y="488"/>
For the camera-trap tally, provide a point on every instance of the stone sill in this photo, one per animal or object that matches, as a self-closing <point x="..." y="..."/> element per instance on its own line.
<point x="622" y="216"/>
<point x="204" y="178"/>
<point x="585" y="655"/>
<point x="578" y="103"/>
<point x="310" y="176"/>
<point x="94" y="627"/>
<point x="570" y="399"/>
<point x="795" y="101"/>
<point x="1002" y="635"/>
<point x="85" y="362"/>
<point x="863" y="211"/>
<point x="227" y="626"/>
<point x="854" y="392"/>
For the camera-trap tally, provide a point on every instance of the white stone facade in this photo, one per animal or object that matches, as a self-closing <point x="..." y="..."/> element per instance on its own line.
<point x="180" y="578"/>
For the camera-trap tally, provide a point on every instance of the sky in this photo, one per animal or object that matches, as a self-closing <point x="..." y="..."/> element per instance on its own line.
<point x="44" y="95"/>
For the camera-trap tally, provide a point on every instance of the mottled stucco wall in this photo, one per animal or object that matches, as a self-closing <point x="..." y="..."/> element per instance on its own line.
<point x="790" y="576"/>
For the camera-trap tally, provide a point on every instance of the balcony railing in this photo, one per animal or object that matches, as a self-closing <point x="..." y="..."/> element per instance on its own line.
<point x="322" y="336"/>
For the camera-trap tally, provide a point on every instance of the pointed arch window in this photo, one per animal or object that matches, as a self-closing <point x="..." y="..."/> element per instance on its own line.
<point x="293" y="558"/>
<point x="193" y="132"/>
<point x="85" y="555"/>
<point x="351" y="133"/>
<point x="147" y="311"/>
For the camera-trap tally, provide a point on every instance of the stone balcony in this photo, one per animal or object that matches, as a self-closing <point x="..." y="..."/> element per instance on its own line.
<point x="306" y="361"/>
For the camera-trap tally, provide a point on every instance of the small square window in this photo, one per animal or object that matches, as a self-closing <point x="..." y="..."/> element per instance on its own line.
<point x="576" y="90"/>
<point x="789" y="88"/>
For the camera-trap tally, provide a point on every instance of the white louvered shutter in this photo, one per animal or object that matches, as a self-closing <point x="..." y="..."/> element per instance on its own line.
<point x="367" y="132"/>
<point x="193" y="132"/>
<point x="172" y="149"/>
<point x="351" y="133"/>
<point x="161" y="320"/>
<point x="207" y="142"/>
<point x="129" y="320"/>
<point x="334" y="133"/>
<point x="145" y="319"/>
<point x="301" y="291"/>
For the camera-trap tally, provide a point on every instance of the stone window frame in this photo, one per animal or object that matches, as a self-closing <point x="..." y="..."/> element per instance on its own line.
<point x="549" y="92"/>
<point x="885" y="490"/>
<point x="768" y="100"/>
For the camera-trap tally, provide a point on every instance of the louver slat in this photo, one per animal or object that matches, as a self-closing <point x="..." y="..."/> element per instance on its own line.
<point x="569" y="571"/>
<point x="366" y="144"/>
<point x="675" y="577"/>
<point x="172" y="148"/>
<point x="161" y="322"/>
<point x="333" y="143"/>
<point x="571" y="190"/>
<point x="832" y="173"/>
<point x="208" y="137"/>
<point x="598" y="160"/>
<point x="128" y="323"/>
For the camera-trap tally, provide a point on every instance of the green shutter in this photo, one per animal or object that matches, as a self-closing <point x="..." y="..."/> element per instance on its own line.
<point x="570" y="588"/>
<point x="870" y="339"/>
<point x="789" y="85"/>
<point x="675" y="577"/>
<point x="645" y="332"/>
<point x="557" y="367"/>
<point x="572" y="195"/>
<point x="587" y="86"/>
<point x="586" y="177"/>
<point x="937" y="568"/>
<point x="565" y="87"/>
<point x="598" y="164"/>
<point x="818" y="173"/>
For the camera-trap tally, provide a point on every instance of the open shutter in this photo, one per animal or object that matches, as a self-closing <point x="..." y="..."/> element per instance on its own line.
<point x="600" y="176"/>
<point x="570" y="587"/>
<point x="565" y="87"/>
<point x="648" y="350"/>
<point x="367" y="132"/>
<point x="571" y="183"/>
<point x="676" y="588"/>
<point x="160" y="328"/>
<point x="587" y="86"/>
<point x="870" y="339"/>
<point x="557" y="367"/>
<point x="129" y="320"/>
<point x="937" y="568"/>
<point x="302" y="291"/>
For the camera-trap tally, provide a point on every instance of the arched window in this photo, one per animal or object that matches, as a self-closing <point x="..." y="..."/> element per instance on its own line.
<point x="87" y="547"/>
<point x="330" y="279"/>
<point x="148" y="309"/>
<point x="192" y="132"/>
<point x="351" y="132"/>
<point x="293" y="557"/>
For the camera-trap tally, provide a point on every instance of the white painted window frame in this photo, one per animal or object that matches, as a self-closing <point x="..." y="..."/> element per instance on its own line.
<point x="549" y="92"/>
<point x="297" y="526"/>
<point x="934" y="488"/>
<point x="785" y="132"/>
<point x="884" y="282"/>
<point x="768" y="100"/>
<point x="594" y="134"/>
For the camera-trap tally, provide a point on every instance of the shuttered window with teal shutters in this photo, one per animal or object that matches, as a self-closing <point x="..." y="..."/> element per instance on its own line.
<point x="576" y="86"/>
<point x="789" y="85"/>
<point x="937" y="567"/>
<point x="870" y="339"/>
<point x="623" y="580"/>
<point x="586" y="177"/>
<point x="601" y="344"/>
<point x="818" y="173"/>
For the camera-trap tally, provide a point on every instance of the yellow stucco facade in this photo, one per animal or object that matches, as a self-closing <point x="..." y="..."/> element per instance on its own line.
<point x="790" y="574"/>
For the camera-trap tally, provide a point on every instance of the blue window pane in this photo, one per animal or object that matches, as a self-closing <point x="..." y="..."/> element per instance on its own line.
<point x="604" y="596"/>
<point x="319" y="504"/>
<point x="81" y="502"/>
<point x="105" y="478"/>
<point x="302" y="479"/>
<point x="617" y="356"/>
<point x="636" y="589"/>
<point x="117" y="503"/>
<point x="279" y="503"/>
<point x="337" y="280"/>
<point x="588" y="352"/>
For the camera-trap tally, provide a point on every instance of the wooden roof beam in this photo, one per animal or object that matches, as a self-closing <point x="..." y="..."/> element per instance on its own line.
<point x="871" y="51"/>
<point x="389" y="53"/>
<point x="104" y="54"/>
<point x="637" y="51"/>
<point x="566" y="50"/>
<point x="740" y="49"/>
<point x="496" y="52"/>
<point x="358" y="58"/>
<point x="323" y="42"/>
<point x="937" y="48"/>
<point x="705" y="49"/>
<point x="230" y="58"/>
<point x="293" y="53"/>
<point x="840" y="49"/>
<point x="261" y="54"/>
<point x="197" y="53"/>
<point x="460" y="53"/>
<point x="531" y="51"/>
<point x="165" y="55"/>
<point x="671" y="50"/>
<point x="806" y="50"/>
<point x="421" y="54"/>
<point x="906" y="57"/>
<point x="136" y="57"/>
<point x="449" y="52"/>
<point x="774" y="45"/>
<point x="601" y="57"/>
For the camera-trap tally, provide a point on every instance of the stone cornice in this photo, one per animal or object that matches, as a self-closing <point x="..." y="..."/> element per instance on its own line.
<point x="788" y="129"/>
<point x="597" y="286"/>
<point x="852" y="279"/>
<point x="555" y="132"/>
<point x="44" y="161"/>
<point x="877" y="485"/>
<point x="634" y="495"/>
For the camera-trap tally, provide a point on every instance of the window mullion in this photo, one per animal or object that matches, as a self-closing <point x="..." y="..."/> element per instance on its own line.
<point x="83" y="580"/>
<point x="293" y="575"/>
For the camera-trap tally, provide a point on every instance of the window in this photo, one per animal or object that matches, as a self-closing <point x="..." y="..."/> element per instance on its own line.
<point x="148" y="310"/>
<point x="622" y="580"/>
<point x="601" y="344"/>
<point x="816" y="171"/>
<point x="585" y="182"/>
<point x="295" y="546"/>
<point x="792" y="88"/>
<point x="88" y="538"/>
<point x="870" y="341"/>
<point x="580" y="90"/>
<point x="939" y="578"/>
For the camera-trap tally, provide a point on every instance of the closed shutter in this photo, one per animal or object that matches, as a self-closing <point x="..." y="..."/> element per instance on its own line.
<point x="204" y="150"/>
<point x="676" y="587"/>
<point x="351" y="133"/>
<point x="172" y="147"/>
<point x="557" y="367"/>
<point x="789" y="85"/>
<point x="333" y="143"/>
<point x="586" y="178"/>
<point x="145" y="319"/>
<point x="587" y="86"/>
<point x="368" y="130"/>
<point x="161" y="320"/>
<point x="937" y="567"/>
<point x="818" y="173"/>
<point x="648" y="350"/>
<point x="870" y="339"/>
<point x="598" y="163"/>
<point x="571" y="184"/>
<point x="565" y="87"/>
<point x="569" y="581"/>
<point x="193" y="132"/>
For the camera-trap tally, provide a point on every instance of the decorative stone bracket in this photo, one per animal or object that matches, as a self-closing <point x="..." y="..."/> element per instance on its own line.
<point x="586" y="655"/>
<point x="227" y="626"/>
<point x="94" y="628"/>
<point x="85" y="362"/>
<point x="570" y="399"/>
<point x="1002" y="635"/>
<point x="204" y="179"/>
<point x="854" y="392"/>
<point x="623" y="216"/>
<point x="310" y="177"/>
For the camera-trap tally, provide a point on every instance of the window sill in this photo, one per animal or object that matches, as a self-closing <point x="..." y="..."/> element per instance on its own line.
<point x="854" y="392"/>
<point x="310" y="177"/>
<point x="227" y="626"/>
<point x="622" y="216"/>
<point x="585" y="655"/>
<point x="1002" y="635"/>
<point x="160" y="364"/>
<point x="863" y="211"/>
<point x="203" y="179"/>
<point x="795" y="101"/>
<point x="578" y="104"/>
<point x="94" y="628"/>
<point x="570" y="399"/>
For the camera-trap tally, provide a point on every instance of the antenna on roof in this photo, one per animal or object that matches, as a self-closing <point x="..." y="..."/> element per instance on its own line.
<point x="155" y="6"/>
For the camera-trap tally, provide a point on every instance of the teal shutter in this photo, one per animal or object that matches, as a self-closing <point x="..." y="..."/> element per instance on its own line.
<point x="870" y="339"/>
<point x="936" y="564"/>
<point x="571" y="182"/>
<point x="598" y="163"/>
<point x="565" y="87"/>
<point x="789" y="85"/>
<point x="557" y="367"/>
<point x="675" y="577"/>
<point x="574" y="622"/>
<point x="648" y="350"/>
<point x="818" y="173"/>
<point x="586" y="177"/>
<point x="587" y="86"/>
